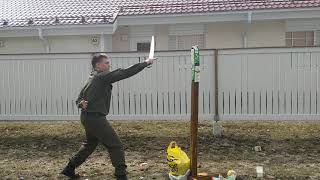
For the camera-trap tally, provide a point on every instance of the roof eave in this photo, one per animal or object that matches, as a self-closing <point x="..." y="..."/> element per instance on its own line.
<point x="59" y="30"/>
<point x="266" y="14"/>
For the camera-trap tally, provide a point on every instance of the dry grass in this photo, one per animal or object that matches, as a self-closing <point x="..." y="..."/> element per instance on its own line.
<point x="38" y="150"/>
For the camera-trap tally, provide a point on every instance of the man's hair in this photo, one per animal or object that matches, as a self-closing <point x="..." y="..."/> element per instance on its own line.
<point x="96" y="58"/>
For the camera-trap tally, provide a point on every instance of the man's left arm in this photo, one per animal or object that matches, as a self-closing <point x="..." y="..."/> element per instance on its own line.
<point x="121" y="74"/>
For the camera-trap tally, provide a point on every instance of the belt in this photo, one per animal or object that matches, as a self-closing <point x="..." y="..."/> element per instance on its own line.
<point x="93" y="113"/>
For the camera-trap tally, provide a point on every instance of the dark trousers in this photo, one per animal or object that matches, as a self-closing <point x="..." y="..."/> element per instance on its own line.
<point x="98" y="129"/>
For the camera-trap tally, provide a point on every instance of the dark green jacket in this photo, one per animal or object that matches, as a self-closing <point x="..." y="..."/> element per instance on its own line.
<point x="97" y="90"/>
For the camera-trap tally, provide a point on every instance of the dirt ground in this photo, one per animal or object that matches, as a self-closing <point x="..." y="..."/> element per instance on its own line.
<point x="39" y="150"/>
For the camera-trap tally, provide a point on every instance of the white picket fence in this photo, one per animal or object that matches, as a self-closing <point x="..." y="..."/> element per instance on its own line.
<point x="267" y="83"/>
<point x="272" y="83"/>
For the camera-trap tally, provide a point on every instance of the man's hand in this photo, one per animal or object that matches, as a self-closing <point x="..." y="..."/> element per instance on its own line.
<point x="151" y="61"/>
<point x="84" y="104"/>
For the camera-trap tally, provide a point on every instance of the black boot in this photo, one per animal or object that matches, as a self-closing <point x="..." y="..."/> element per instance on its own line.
<point x="69" y="171"/>
<point x="122" y="177"/>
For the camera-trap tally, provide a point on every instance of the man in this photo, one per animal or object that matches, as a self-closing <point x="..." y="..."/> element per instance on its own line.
<point x="94" y="101"/>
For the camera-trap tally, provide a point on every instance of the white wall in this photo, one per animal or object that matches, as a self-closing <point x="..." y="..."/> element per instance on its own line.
<point x="22" y="45"/>
<point x="161" y="35"/>
<point x="140" y="34"/>
<point x="224" y="35"/>
<point x="267" y="34"/>
<point x="303" y="24"/>
<point x="73" y="44"/>
<point x="58" y="44"/>
<point x="217" y="35"/>
<point x="121" y="39"/>
<point x="260" y="34"/>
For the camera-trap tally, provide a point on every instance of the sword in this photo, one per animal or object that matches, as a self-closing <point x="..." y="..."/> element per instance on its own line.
<point x="151" y="53"/>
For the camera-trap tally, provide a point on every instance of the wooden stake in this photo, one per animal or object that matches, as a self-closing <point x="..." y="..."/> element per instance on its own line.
<point x="194" y="128"/>
<point x="195" y="61"/>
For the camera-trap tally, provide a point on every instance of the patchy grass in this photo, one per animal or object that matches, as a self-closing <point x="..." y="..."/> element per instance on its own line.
<point x="39" y="150"/>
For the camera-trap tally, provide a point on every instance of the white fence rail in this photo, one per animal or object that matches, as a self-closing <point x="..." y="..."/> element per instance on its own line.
<point x="269" y="83"/>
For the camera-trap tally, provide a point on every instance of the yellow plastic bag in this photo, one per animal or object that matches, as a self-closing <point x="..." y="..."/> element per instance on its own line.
<point x="178" y="160"/>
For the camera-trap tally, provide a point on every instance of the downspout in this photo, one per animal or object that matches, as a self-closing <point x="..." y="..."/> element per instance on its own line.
<point x="44" y="40"/>
<point x="245" y="33"/>
<point x="102" y="43"/>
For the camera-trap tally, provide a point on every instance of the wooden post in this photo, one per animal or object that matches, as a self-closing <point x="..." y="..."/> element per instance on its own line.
<point x="195" y="59"/>
<point x="194" y="127"/>
<point x="216" y="125"/>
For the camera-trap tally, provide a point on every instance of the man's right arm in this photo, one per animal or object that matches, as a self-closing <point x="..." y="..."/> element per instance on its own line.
<point x="81" y="102"/>
<point x="79" y="99"/>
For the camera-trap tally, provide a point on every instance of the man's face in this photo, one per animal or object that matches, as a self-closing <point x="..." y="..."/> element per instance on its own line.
<point x="103" y="65"/>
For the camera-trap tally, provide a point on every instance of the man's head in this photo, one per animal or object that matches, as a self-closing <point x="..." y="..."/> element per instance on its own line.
<point x="100" y="62"/>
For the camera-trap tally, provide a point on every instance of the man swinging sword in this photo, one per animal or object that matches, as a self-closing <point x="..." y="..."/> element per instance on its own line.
<point x="94" y="101"/>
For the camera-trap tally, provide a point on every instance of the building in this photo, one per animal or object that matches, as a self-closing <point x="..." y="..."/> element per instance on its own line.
<point x="45" y="47"/>
<point x="45" y="26"/>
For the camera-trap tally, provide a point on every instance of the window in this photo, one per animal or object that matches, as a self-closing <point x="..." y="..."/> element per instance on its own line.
<point x="300" y="38"/>
<point x="186" y="41"/>
<point x="143" y="47"/>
